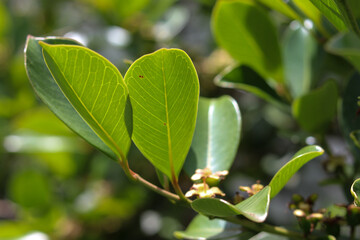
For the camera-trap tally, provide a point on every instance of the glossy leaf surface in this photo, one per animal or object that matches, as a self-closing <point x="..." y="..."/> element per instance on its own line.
<point x="254" y="208"/>
<point x="244" y="78"/>
<point x="315" y="110"/>
<point x="355" y="191"/>
<point x="246" y="32"/>
<point x="346" y="45"/>
<point x="96" y="90"/>
<point x="217" y="135"/>
<point x="50" y="93"/>
<point x="164" y="93"/>
<point x="288" y="170"/>
<point x="331" y="11"/>
<point x="299" y="51"/>
<point x="201" y="227"/>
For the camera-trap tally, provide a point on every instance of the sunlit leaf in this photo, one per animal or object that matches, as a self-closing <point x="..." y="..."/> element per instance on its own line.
<point x="331" y="12"/>
<point x="246" y="32"/>
<point x="164" y="93"/>
<point x="346" y="45"/>
<point x="50" y="93"/>
<point x="355" y="191"/>
<point x="201" y="227"/>
<point x="315" y="110"/>
<point x="286" y="172"/>
<point x="299" y="51"/>
<point x="254" y="208"/>
<point x="96" y="90"/>
<point x="217" y="135"/>
<point x="281" y="6"/>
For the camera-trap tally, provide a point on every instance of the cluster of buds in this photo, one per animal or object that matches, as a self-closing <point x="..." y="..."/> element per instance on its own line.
<point x="254" y="189"/>
<point x="205" y="183"/>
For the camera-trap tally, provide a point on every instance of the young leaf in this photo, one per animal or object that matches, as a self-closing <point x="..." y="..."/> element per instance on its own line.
<point x="50" y="93"/>
<point x="164" y="93"/>
<point x="96" y="90"/>
<point x="355" y="191"/>
<point x="217" y="135"/>
<point x="246" y="32"/>
<point x="254" y="208"/>
<point x="244" y="78"/>
<point x="315" y="110"/>
<point x="299" y="51"/>
<point x="346" y="45"/>
<point x="201" y="227"/>
<point x="331" y="11"/>
<point x="287" y="171"/>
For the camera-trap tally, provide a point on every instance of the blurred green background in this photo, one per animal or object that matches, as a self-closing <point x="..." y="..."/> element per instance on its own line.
<point x="53" y="185"/>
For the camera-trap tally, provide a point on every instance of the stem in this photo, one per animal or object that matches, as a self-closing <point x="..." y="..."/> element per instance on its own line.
<point x="178" y="190"/>
<point x="349" y="16"/>
<point x="352" y="232"/>
<point x="263" y="227"/>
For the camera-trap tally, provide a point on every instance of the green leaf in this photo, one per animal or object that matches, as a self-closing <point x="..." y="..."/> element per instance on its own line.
<point x="315" y="110"/>
<point x="331" y="11"/>
<point x="217" y="135"/>
<point x="254" y="208"/>
<point x="96" y="90"/>
<point x="268" y="236"/>
<point x="244" y="78"/>
<point x="164" y="93"/>
<point x="355" y="136"/>
<point x="288" y="170"/>
<point x="355" y="191"/>
<point x="201" y="227"/>
<point x="247" y="33"/>
<point x="349" y="117"/>
<point x="346" y="45"/>
<point x="50" y="93"/>
<point x="281" y="6"/>
<point x="299" y="51"/>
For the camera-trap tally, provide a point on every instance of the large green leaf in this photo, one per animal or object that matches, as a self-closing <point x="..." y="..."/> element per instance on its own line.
<point x="355" y="191"/>
<point x="164" y="93"/>
<point x="245" y="31"/>
<point x="217" y="135"/>
<point x="349" y="117"/>
<point x="346" y="45"/>
<point x="96" y="90"/>
<point x="50" y="93"/>
<point x="254" y="208"/>
<point x="287" y="171"/>
<point x="201" y="227"/>
<point x="331" y="11"/>
<point x="299" y="51"/>
<point x="244" y="78"/>
<point x="315" y="110"/>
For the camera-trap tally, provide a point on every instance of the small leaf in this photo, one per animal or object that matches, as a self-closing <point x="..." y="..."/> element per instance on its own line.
<point x="315" y="110"/>
<point x="164" y="93"/>
<point x="299" y="51"/>
<point x="201" y="227"/>
<point x="254" y="208"/>
<point x="346" y="45"/>
<point x="331" y="11"/>
<point x="287" y="171"/>
<point x="246" y="32"/>
<point x="355" y="191"/>
<point x="96" y="90"/>
<point x="244" y="78"/>
<point x="50" y="93"/>
<point x="217" y="135"/>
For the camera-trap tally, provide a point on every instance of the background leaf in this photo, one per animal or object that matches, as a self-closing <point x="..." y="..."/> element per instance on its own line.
<point x="246" y="32"/>
<point x="254" y="208"/>
<point x="286" y="172"/>
<point x="164" y="93"/>
<point x="299" y="51"/>
<point x="201" y="227"/>
<point x="49" y="92"/>
<point x="355" y="191"/>
<point x="346" y="45"/>
<point x="96" y="90"/>
<point x="331" y="12"/>
<point x="315" y="110"/>
<point x="282" y="7"/>
<point x="217" y="135"/>
<point x="244" y="78"/>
